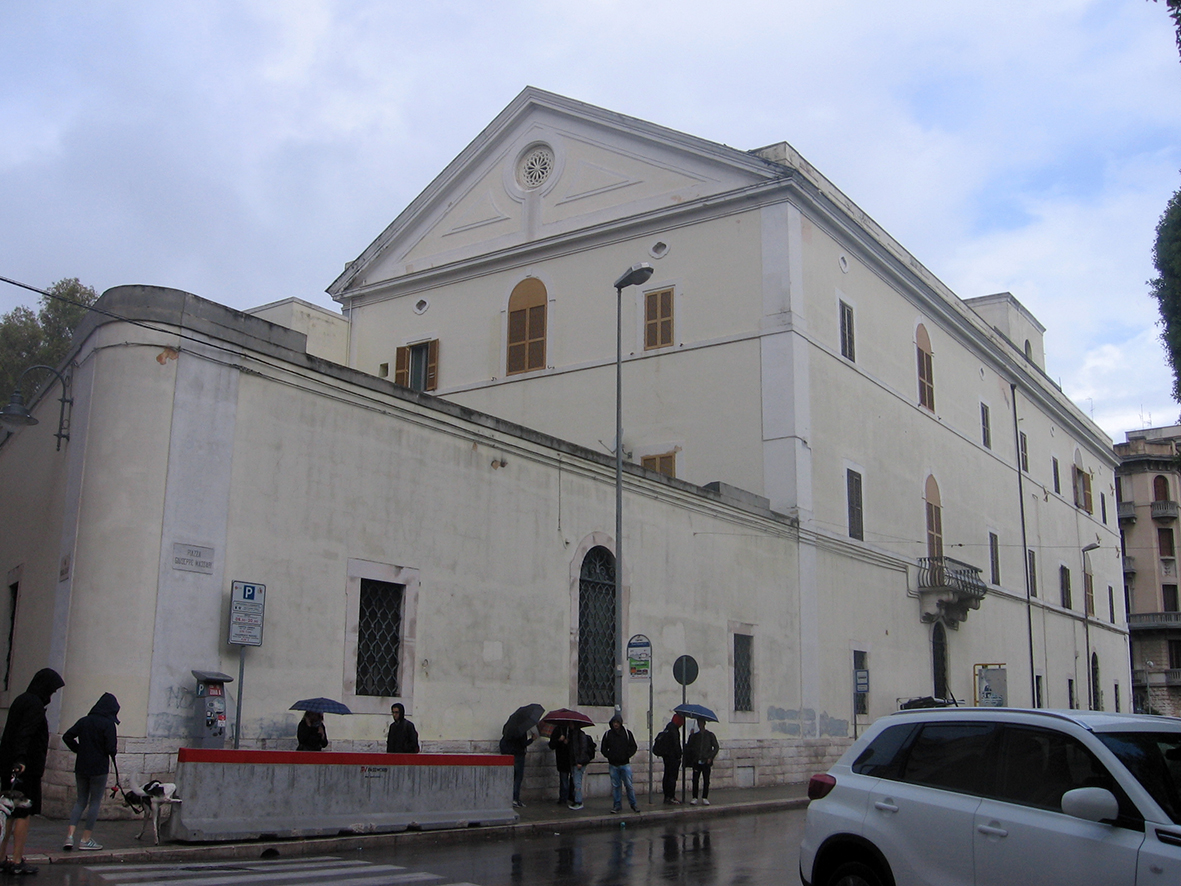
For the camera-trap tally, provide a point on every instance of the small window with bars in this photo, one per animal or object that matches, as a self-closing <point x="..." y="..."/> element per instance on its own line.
<point x="744" y="672"/>
<point x="379" y="638"/>
<point x="658" y="319"/>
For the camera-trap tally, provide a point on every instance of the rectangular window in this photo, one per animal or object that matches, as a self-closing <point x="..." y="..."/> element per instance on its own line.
<point x="743" y="672"/>
<point x="1169" y="597"/>
<point x="383" y="370"/>
<point x="1111" y="603"/>
<point x="1103" y="507"/>
<point x="848" y="346"/>
<point x="1117" y="698"/>
<point x="1088" y="593"/>
<point x="860" y="699"/>
<point x="994" y="557"/>
<point x="1064" y="586"/>
<point x="658" y="319"/>
<point x="926" y="380"/>
<point x="417" y="366"/>
<point x="1024" y="452"/>
<point x="1037" y="690"/>
<point x="526" y="339"/>
<point x="1174" y="655"/>
<point x="853" y="498"/>
<point x="985" y="426"/>
<point x="1070" y="699"/>
<point x="1032" y="573"/>
<point x="662" y="464"/>
<point x="1057" y="480"/>
<point x="1164" y="541"/>
<point x="379" y="638"/>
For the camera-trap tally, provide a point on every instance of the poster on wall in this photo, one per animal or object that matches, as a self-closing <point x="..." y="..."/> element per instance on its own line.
<point x="992" y="689"/>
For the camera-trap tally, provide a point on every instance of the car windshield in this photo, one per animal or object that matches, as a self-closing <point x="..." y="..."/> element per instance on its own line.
<point x="1154" y="758"/>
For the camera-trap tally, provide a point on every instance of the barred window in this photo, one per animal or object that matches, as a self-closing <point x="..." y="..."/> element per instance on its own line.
<point x="743" y="672"/>
<point x="379" y="640"/>
<point x="596" y="629"/>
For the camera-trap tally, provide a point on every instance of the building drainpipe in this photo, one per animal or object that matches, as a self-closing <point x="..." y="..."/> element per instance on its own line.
<point x="1025" y="549"/>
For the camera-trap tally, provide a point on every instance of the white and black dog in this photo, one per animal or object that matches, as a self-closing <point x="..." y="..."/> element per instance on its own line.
<point x="147" y="800"/>
<point x="10" y="801"/>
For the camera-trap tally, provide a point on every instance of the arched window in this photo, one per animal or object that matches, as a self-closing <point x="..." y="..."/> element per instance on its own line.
<point x="1160" y="488"/>
<point x="1028" y="351"/>
<point x="526" y="327"/>
<point x="939" y="659"/>
<point x="596" y="628"/>
<point x="926" y="368"/>
<point x="1096" y="692"/>
<point x="934" y="519"/>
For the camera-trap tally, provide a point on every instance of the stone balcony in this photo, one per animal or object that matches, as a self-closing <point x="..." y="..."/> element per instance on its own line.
<point x="1164" y="510"/>
<point x="948" y="589"/>
<point x="1154" y="621"/>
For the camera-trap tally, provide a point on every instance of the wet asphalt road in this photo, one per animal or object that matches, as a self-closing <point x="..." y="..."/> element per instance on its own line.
<point x="760" y="848"/>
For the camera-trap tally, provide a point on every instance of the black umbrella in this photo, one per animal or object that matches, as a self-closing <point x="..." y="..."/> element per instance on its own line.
<point x="320" y="706"/>
<point x="522" y="720"/>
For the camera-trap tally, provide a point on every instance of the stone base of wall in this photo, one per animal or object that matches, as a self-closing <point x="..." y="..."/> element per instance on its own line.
<point x="741" y="764"/>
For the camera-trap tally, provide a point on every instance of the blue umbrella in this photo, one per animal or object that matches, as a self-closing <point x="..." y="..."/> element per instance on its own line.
<point x="321" y="706"/>
<point x="696" y="712"/>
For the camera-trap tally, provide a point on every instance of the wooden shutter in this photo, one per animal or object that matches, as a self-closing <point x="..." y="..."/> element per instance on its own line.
<point x="432" y="364"/>
<point x="402" y="367"/>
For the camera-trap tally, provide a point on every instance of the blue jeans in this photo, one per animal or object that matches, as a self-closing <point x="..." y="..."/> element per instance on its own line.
<point x="576" y="772"/>
<point x="564" y="794"/>
<point x="90" y="795"/>
<point x="622" y="774"/>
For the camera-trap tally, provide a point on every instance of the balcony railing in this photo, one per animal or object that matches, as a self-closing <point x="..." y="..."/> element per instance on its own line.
<point x="949" y="588"/>
<point x="1172" y="676"/>
<point x="1127" y="511"/>
<point x="1153" y="620"/>
<point x="1164" y="510"/>
<point x="1129" y="565"/>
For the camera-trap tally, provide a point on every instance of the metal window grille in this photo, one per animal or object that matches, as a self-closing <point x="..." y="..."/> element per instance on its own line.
<point x="379" y="638"/>
<point x="596" y="629"/>
<point x="743" y="672"/>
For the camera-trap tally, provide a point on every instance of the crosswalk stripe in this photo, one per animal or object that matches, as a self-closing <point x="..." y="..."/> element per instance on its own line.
<point x="273" y="873"/>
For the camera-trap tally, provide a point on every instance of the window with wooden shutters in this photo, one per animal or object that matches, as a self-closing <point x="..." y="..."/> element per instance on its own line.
<point x="994" y="558"/>
<point x="853" y="496"/>
<point x="926" y="365"/>
<point x="934" y="520"/>
<point x="985" y="426"/>
<point x="1082" y="489"/>
<point x="658" y="319"/>
<point x="848" y="344"/>
<point x="526" y="327"/>
<point x="1024" y="452"/>
<point x="665" y="463"/>
<point x="417" y="366"/>
<point x="1160" y="488"/>
<point x="1032" y="573"/>
<point x="1064" y="586"/>
<point x="1164" y="540"/>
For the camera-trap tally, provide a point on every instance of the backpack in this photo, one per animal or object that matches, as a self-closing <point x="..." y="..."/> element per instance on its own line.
<point x="660" y="747"/>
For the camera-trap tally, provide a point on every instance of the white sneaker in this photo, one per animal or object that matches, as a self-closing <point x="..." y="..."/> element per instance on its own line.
<point x="693" y="802"/>
<point x="705" y="801"/>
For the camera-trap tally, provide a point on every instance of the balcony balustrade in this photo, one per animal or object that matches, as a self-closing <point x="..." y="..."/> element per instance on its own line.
<point x="948" y="589"/>
<point x="1127" y="512"/>
<point x="1129" y="565"/>
<point x="1164" y="510"/>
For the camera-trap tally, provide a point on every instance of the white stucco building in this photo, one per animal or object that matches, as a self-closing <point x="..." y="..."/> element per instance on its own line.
<point x="835" y="465"/>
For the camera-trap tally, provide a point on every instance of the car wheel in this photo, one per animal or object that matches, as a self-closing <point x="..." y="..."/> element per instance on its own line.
<point x="854" y="873"/>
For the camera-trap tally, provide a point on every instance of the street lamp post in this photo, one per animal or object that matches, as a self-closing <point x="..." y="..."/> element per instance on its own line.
<point x="636" y="275"/>
<point x="17" y="415"/>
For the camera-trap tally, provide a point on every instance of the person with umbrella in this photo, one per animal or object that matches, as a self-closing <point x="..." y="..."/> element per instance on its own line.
<point x="560" y="742"/>
<point x="311" y="735"/>
<point x="515" y="738"/>
<point x="668" y="748"/>
<point x="700" y="750"/>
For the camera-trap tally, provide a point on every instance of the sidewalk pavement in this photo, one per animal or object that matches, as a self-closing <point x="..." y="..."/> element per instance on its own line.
<point x="118" y="838"/>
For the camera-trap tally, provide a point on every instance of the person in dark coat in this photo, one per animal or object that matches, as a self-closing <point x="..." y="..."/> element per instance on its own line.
<point x="668" y="748"/>
<point x="619" y="746"/>
<point x="24" y="746"/>
<point x="517" y="744"/>
<point x="402" y="737"/>
<point x="93" y="739"/>
<point x="582" y="751"/>
<point x="311" y="734"/>
<point x="559" y="742"/>
<point x="700" y="750"/>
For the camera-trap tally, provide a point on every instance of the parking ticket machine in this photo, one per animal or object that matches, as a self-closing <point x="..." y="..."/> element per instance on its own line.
<point x="209" y="728"/>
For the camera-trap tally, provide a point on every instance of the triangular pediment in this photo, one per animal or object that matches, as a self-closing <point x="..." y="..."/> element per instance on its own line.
<point x="548" y="167"/>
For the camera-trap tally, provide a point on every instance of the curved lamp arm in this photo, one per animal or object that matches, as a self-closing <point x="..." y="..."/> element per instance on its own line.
<point x="17" y="415"/>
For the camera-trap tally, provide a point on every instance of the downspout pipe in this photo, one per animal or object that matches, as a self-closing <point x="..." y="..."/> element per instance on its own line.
<point x="1024" y="548"/>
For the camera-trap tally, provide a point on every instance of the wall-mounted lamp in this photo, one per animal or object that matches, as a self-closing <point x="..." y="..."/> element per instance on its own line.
<point x="16" y="415"/>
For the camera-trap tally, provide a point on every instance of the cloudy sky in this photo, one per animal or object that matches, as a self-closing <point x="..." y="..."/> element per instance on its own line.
<point x="246" y="150"/>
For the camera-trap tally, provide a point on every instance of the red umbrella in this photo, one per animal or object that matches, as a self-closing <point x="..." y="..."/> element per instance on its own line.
<point x="565" y="715"/>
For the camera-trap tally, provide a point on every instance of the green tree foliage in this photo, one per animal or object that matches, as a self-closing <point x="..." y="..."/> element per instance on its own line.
<point x="1174" y="7"/>
<point x="28" y="339"/>
<point x="1166" y="287"/>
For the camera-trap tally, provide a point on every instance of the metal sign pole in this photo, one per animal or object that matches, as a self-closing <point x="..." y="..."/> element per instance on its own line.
<point x="238" y="707"/>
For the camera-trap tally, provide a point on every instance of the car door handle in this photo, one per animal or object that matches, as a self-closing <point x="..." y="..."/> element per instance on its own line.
<point x="885" y="806"/>
<point x="992" y="830"/>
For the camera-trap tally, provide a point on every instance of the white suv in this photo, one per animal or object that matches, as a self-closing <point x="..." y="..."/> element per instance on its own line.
<point x="1000" y="797"/>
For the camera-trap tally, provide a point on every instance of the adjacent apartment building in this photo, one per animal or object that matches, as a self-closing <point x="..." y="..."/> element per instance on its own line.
<point x="1148" y="485"/>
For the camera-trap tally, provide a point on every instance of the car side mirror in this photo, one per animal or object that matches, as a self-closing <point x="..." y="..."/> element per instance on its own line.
<point x="1090" y="804"/>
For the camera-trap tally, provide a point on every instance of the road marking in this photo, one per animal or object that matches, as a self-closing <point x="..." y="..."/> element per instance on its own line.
<point x="277" y="872"/>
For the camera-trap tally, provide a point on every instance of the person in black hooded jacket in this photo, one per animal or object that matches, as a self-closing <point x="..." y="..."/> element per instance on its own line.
<point x="93" y="739"/>
<point x="24" y="746"/>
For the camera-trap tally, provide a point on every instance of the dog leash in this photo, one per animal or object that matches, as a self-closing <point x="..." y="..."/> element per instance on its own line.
<point x="118" y="787"/>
